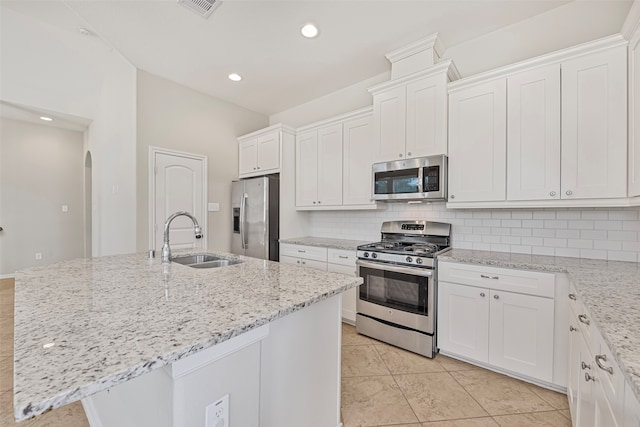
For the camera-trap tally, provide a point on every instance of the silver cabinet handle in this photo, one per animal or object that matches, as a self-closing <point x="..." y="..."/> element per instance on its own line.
<point x="453" y="196"/>
<point x="573" y="297"/>
<point x="319" y="202"/>
<point x="552" y="193"/>
<point x="584" y="366"/>
<point x="400" y="155"/>
<point x="588" y="377"/>
<point x="489" y="277"/>
<point x="482" y="294"/>
<point x="409" y="153"/>
<point x="572" y="329"/>
<point x="568" y="192"/>
<point x="258" y="167"/>
<point x="301" y="251"/>
<point x="583" y="319"/>
<point x="298" y="261"/>
<point x="304" y="263"/>
<point x="603" y="358"/>
<point x="496" y="297"/>
<point x="343" y="257"/>
<point x="314" y="202"/>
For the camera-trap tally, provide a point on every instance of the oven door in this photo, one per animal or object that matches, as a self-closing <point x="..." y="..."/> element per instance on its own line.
<point x="397" y="294"/>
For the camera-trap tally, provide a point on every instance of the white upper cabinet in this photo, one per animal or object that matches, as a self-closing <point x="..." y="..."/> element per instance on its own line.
<point x="410" y="114"/>
<point x="533" y="134"/>
<point x="259" y="153"/>
<point x="477" y="143"/>
<point x="319" y="167"/>
<point x="634" y="114"/>
<point x="357" y="159"/>
<point x="594" y="125"/>
<point x="307" y="168"/>
<point x="333" y="163"/>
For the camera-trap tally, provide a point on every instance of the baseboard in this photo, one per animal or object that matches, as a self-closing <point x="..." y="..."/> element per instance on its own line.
<point x="7" y="276"/>
<point x="91" y="412"/>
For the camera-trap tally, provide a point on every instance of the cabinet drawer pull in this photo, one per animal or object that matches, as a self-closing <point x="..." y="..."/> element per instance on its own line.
<point x="584" y="365"/>
<point x="572" y="329"/>
<point x="301" y="251"/>
<point x="582" y="318"/>
<point x="343" y="256"/>
<point x="496" y="297"/>
<point x="484" y="276"/>
<point x="603" y="358"/>
<point x="588" y="377"/>
<point x="572" y="297"/>
<point x="482" y="294"/>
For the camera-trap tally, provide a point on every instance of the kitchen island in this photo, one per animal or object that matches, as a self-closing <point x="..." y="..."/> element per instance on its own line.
<point x="87" y="326"/>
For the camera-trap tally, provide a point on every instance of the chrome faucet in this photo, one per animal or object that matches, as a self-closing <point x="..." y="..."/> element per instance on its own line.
<point x="166" y="250"/>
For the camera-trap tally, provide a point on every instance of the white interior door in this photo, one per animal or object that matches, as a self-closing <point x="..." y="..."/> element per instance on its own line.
<point x="179" y="184"/>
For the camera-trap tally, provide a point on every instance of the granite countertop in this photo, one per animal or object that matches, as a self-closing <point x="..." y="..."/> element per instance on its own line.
<point x="85" y="325"/>
<point x="610" y="290"/>
<point x="325" y="242"/>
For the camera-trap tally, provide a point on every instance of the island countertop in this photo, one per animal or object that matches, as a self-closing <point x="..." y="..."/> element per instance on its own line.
<point x="85" y="325"/>
<point x="610" y="290"/>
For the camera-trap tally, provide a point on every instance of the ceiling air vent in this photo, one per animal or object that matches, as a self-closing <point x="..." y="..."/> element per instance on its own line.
<point x="203" y="8"/>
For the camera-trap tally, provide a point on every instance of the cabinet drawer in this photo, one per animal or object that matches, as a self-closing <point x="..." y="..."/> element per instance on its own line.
<point x="343" y="269"/>
<point x="309" y="263"/>
<point x="303" y="251"/>
<point x="342" y="257"/>
<point x="503" y="279"/>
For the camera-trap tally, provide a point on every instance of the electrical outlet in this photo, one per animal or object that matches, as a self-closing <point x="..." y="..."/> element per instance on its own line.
<point x="38" y="255"/>
<point x="217" y="414"/>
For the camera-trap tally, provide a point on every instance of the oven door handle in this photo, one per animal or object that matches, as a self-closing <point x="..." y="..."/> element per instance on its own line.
<point x="414" y="271"/>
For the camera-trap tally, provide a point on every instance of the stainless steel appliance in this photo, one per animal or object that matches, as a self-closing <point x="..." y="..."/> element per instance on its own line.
<point x="397" y="301"/>
<point x="256" y="217"/>
<point x="411" y="179"/>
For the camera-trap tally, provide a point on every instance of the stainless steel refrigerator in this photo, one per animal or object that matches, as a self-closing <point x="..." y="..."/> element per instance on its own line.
<point x="256" y="217"/>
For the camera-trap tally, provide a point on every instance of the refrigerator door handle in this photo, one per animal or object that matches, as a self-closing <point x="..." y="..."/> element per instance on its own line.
<point x="243" y="218"/>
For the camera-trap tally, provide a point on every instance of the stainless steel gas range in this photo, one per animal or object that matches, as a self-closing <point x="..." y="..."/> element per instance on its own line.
<point x="397" y="301"/>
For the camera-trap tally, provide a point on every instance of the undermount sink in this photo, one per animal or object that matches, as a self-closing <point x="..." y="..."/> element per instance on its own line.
<point x="204" y="260"/>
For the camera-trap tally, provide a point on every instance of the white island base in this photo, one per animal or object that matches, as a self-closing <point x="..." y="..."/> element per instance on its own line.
<point x="283" y="374"/>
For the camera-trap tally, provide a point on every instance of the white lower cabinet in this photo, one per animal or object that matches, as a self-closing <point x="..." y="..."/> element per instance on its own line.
<point x="506" y="330"/>
<point x="598" y="395"/>
<point x="326" y="259"/>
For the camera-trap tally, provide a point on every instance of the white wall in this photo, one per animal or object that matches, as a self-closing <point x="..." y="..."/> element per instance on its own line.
<point x="176" y="117"/>
<point x="62" y="71"/>
<point x="41" y="169"/>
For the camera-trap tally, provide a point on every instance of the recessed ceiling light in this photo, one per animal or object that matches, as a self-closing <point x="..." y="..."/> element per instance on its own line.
<point x="309" y="31"/>
<point x="48" y="345"/>
<point x="235" y="77"/>
<point x="46" y="119"/>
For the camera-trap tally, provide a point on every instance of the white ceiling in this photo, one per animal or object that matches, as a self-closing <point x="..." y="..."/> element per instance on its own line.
<point x="260" y="39"/>
<point x="30" y="114"/>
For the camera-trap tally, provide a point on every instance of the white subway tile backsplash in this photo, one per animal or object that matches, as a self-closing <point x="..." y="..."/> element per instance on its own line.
<point x="588" y="233"/>
<point x="607" y="225"/>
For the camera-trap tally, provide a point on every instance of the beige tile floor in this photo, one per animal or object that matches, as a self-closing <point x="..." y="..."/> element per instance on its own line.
<point x="381" y="386"/>
<point x="385" y="386"/>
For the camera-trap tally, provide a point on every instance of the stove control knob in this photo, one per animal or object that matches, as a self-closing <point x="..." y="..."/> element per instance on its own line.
<point x="409" y="259"/>
<point x="374" y="255"/>
<point x="366" y="254"/>
<point x="419" y="261"/>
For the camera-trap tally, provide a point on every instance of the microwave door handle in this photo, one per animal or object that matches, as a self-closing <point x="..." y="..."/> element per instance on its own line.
<point x="423" y="272"/>
<point x="421" y="188"/>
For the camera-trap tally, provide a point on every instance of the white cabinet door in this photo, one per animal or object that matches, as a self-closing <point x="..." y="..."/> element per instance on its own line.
<point x="631" y="408"/>
<point x="349" y="296"/>
<point x="594" y="125"/>
<point x="269" y="152"/>
<point x="634" y="115"/>
<point x="521" y="337"/>
<point x="307" y="169"/>
<point x="389" y="118"/>
<point x="426" y="128"/>
<point x="477" y="143"/>
<point x="533" y="134"/>
<point x="330" y="166"/>
<point x="247" y="156"/>
<point x="463" y="321"/>
<point x="358" y="156"/>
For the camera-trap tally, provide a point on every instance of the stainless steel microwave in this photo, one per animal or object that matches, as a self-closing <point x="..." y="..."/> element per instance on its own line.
<point x="423" y="178"/>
